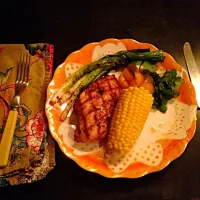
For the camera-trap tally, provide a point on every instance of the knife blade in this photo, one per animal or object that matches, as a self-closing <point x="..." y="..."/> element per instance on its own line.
<point x="193" y="70"/>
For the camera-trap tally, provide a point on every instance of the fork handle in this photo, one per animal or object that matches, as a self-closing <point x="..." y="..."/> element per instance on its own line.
<point x="7" y="137"/>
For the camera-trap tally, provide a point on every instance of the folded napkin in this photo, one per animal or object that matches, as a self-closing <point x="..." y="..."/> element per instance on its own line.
<point x="32" y="154"/>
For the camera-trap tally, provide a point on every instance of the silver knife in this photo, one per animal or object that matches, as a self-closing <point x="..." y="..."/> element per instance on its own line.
<point x="192" y="69"/>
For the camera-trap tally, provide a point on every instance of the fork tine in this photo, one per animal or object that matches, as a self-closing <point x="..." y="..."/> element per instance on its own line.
<point x="27" y="68"/>
<point x="19" y="66"/>
<point x="22" y="69"/>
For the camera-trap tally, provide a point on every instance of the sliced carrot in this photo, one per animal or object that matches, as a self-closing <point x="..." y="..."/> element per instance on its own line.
<point x="148" y="78"/>
<point x="132" y="82"/>
<point x="122" y="82"/>
<point x="139" y="78"/>
<point x="127" y="74"/>
<point x="149" y="87"/>
<point x="132" y="68"/>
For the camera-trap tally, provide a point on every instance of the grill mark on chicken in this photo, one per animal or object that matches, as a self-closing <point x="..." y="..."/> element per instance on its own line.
<point x="94" y="108"/>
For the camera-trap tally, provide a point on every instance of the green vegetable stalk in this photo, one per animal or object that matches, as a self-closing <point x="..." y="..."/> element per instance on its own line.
<point x="82" y="82"/>
<point x="69" y="105"/>
<point x="153" y="56"/>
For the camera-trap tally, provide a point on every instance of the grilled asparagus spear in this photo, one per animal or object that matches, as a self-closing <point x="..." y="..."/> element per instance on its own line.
<point x="153" y="56"/>
<point x="82" y="82"/>
<point x="69" y="105"/>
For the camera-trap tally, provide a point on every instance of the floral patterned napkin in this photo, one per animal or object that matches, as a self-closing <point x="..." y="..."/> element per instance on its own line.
<point x="32" y="154"/>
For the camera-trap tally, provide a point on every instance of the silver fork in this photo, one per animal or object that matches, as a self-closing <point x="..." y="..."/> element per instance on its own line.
<point x="22" y="81"/>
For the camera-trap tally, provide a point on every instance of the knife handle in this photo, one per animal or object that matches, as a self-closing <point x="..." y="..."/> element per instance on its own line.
<point x="7" y="137"/>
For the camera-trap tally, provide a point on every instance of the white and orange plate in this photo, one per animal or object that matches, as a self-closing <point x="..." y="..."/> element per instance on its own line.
<point x="163" y="138"/>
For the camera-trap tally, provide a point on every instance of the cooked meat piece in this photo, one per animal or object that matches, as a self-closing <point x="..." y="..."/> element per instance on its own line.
<point x="94" y="108"/>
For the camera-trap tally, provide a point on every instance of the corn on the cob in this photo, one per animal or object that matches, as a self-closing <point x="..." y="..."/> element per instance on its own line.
<point x="128" y="120"/>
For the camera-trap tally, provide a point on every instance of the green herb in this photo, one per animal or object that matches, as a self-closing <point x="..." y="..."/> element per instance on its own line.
<point x="166" y="88"/>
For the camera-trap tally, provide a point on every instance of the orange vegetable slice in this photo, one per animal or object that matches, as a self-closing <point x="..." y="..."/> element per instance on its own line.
<point x="132" y="82"/>
<point x="139" y="78"/>
<point x="148" y="86"/>
<point x="148" y="78"/>
<point x="122" y="82"/>
<point x="127" y="75"/>
<point x="132" y="68"/>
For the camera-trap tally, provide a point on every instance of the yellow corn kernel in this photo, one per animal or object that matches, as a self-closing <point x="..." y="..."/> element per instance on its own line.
<point x="130" y="113"/>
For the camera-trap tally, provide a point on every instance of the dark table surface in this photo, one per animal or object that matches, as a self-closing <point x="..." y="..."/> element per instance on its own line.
<point x="71" y="24"/>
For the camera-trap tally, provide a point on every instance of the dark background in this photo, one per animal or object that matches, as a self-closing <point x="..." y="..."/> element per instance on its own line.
<point x="71" y="24"/>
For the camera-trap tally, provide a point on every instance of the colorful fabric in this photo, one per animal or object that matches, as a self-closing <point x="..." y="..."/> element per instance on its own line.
<point x="32" y="154"/>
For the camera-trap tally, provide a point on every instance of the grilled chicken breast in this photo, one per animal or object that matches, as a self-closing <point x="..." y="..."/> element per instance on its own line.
<point x="94" y="108"/>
